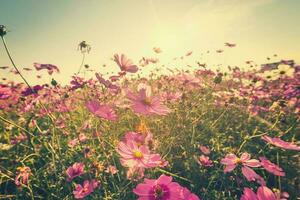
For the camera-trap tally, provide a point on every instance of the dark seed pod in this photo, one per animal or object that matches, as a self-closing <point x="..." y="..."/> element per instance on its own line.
<point x="3" y="30"/>
<point x="53" y="82"/>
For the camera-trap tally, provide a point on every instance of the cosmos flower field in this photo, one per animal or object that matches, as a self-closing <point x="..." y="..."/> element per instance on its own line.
<point x="189" y="135"/>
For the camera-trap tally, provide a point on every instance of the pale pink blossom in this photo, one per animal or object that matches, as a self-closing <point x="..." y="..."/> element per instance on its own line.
<point x="251" y="175"/>
<point x="231" y="161"/>
<point x="146" y="104"/>
<point x="133" y="155"/>
<point x="205" y="161"/>
<point x="82" y="137"/>
<point x="75" y="170"/>
<point x="204" y="149"/>
<point x="73" y="143"/>
<point x="84" y="190"/>
<point x="263" y="193"/>
<point x="103" y="111"/>
<point x="271" y="167"/>
<point x="125" y="64"/>
<point x="186" y="194"/>
<point x="280" y="143"/>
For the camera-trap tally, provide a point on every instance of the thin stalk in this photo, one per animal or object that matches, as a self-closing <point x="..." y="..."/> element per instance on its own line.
<point x="16" y="125"/>
<point x="174" y="175"/>
<point x="82" y="62"/>
<point x="13" y="63"/>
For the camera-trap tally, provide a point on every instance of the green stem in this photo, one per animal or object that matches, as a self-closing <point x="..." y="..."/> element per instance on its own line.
<point x="13" y="63"/>
<point x="16" y="125"/>
<point x="174" y="175"/>
<point x="82" y="62"/>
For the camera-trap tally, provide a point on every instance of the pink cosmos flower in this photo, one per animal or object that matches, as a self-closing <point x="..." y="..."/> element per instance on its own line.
<point x="22" y="177"/>
<point x="133" y="155"/>
<point x="205" y="161"/>
<point x="204" y="149"/>
<point x="251" y="175"/>
<point x="5" y="92"/>
<point x="263" y="193"/>
<point x="231" y="161"/>
<point x="188" y="79"/>
<point x="248" y="194"/>
<point x="75" y="170"/>
<point x="84" y="190"/>
<point x="271" y="167"/>
<point x="82" y="137"/>
<point x="281" y="195"/>
<point x="49" y="67"/>
<point x="73" y="143"/>
<point x="125" y="64"/>
<point x="103" y="111"/>
<point x="185" y="194"/>
<point x="106" y="83"/>
<point x="145" y="104"/>
<point x="158" y="189"/>
<point x="280" y="143"/>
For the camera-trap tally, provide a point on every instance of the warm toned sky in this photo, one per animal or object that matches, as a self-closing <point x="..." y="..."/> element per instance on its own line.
<point x="49" y="31"/>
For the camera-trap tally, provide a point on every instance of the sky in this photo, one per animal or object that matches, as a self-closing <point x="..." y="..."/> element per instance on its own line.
<point x="49" y="31"/>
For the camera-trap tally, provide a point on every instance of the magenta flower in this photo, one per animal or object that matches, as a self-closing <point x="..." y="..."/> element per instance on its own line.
<point x="5" y="92"/>
<point x="125" y="64"/>
<point x="263" y="193"/>
<point x="49" y="67"/>
<point x="106" y="83"/>
<point x="158" y="189"/>
<point x="73" y="143"/>
<point x="75" y="170"/>
<point x="231" y="161"/>
<point x="251" y="175"/>
<point x="82" y="137"/>
<point x="133" y="155"/>
<point x="185" y="194"/>
<point x="145" y="104"/>
<point x="271" y="167"/>
<point x="204" y="149"/>
<point x="205" y="161"/>
<point x="84" y="190"/>
<point x="103" y="111"/>
<point x="280" y="143"/>
<point x="22" y="177"/>
<point x="248" y="194"/>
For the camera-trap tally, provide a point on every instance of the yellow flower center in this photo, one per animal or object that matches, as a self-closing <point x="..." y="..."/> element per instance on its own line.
<point x="147" y="101"/>
<point x="138" y="154"/>
<point x="238" y="161"/>
<point x="21" y="169"/>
